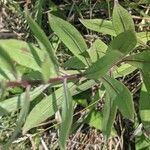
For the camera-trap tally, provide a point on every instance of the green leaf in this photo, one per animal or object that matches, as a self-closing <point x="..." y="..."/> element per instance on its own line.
<point x="144" y="100"/>
<point x="120" y="95"/>
<point x="121" y="19"/>
<point x="142" y="142"/>
<point x="70" y="36"/>
<point x="66" y="116"/>
<point x="123" y="70"/>
<point x="49" y="105"/>
<point x="143" y="37"/>
<point x="97" y="50"/>
<point x="109" y="114"/>
<point x="140" y="60"/>
<point x="118" y="48"/>
<point x="94" y="119"/>
<point x="21" y="118"/>
<point x="46" y="70"/>
<point x="101" y="66"/>
<point x="125" y="42"/>
<point x="74" y="63"/>
<point x="145" y="107"/>
<point x="6" y="61"/>
<point x="22" y="53"/>
<point x="14" y="103"/>
<point x="38" y="11"/>
<point x="42" y="38"/>
<point x="99" y="25"/>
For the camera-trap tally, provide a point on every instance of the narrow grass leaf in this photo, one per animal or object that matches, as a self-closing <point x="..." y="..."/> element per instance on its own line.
<point x="66" y="115"/>
<point x="21" y="119"/>
<point x="121" y="19"/>
<point x="70" y="36"/>
<point x="38" y="11"/>
<point x="99" y="25"/>
<point x="42" y="38"/>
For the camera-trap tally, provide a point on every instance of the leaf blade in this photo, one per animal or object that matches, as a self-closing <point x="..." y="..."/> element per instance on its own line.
<point x="121" y="19"/>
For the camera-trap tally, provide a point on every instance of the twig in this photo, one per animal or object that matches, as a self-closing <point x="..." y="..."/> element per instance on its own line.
<point x="140" y="18"/>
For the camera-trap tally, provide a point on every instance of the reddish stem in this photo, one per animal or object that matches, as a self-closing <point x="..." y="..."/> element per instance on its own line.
<point x="25" y="83"/>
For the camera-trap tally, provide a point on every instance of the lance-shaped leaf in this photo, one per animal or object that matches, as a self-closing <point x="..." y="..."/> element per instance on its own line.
<point x="97" y="50"/>
<point x="6" y="61"/>
<point x="99" y="25"/>
<point x="122" y="20"/>
<point x="118" y="48"/>
<point x="109" y="114"/>
<point x="49" y="105"/>
<point x="120" y="95"/>
<point x="140" y="60"/>
<point x="42" y="38"/>
<point x="70" y="36"/>
<point x="66" y="116"/>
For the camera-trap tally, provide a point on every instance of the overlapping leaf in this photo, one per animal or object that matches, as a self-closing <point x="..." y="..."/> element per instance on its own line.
<point x="121" y="19"/>
<point x="140" y="60"/>
<point x="109" y="114"/>
<point x="66" y="116"/>
<point x="120" y="95"/>
<point x="43" y="40"/>
<point x="119" y="47"/>
<point x="70" y="36"/>
<point x="21" y="118"/>
<point x="49" y="105"/>
<point x="99" y="25"/>
<point x="14" y="103"/>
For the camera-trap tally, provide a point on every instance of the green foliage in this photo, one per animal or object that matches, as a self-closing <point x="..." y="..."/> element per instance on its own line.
<point x="121" y="19"/>
<point x="99" y="25"/>
<point x="99" y="65"/>
<point x="66" y="116"/>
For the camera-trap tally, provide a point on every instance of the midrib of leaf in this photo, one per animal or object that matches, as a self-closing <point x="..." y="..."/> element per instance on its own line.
<point x="106" y="25"/>
<point x="75" y="44"/>
<point x="115" y="90"/>
<point x="135" y="60"/>
<point x="124" y="27"/>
